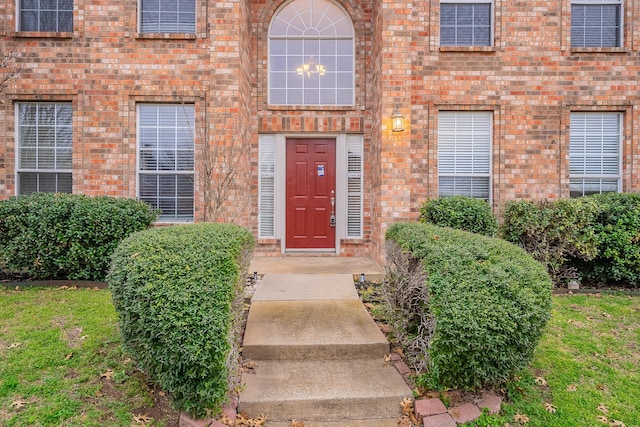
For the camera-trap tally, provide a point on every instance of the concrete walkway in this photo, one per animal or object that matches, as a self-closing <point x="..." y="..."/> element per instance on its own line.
<point x="316" y="354"/>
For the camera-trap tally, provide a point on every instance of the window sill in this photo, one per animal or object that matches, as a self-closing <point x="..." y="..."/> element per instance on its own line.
<point x="43" y="34"/>
<point x="311" y="108"/>
<point x="165" y="36"/>
<point x="599" y="50"/>
<point x="480" y="49"/>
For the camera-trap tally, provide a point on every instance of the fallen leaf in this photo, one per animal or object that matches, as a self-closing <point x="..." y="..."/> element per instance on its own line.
<point x="387" y="360"/>
<point x="616" y="423"/>
<point x="407" y="406"/>
<point x="570" y="321"/>
<point x="607" y="315"/>
<point x="142" y="419"/>
<point x="540" y="381"/>
<point x="297" y="423"/>
<point x="603" y="409"/>
<point x="521" y="418"/>
<point x="17" y="404"/>
<point x="68" y="356"/>
<point x="572" y="387"/>
<point x="404" y="422"/>
<point x="14" y="345"/>
<point x="601" y="387"/>
<point x="603" y="419"/>
<point x="550" y="408"/>
<point x="226" y="421"/>
<point x="107" y="375"/>
<point x="99" y="394"/>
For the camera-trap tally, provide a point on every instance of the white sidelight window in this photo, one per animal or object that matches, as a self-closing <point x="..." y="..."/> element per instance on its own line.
<point x="45" y="16"/>
<point x="354" y="180"/>
<point x="167" y="16"/>
<point x="466" y="23"/>
<point x="166" y="159"/>
<point x="595" y="153"/>
<point x="44" y="147"/>
<point x="311" y="55"/>
<point x="596" y="23"/>
<point x="464" y="154"/>
<point x="267" y="186"/>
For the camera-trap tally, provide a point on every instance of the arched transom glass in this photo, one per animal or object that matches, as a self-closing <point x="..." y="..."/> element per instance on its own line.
<point x="311" y="55"/>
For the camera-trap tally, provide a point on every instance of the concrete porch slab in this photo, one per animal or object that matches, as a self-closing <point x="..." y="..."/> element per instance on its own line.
<point x="314" y="265"/>
<point x="305" y="287"/>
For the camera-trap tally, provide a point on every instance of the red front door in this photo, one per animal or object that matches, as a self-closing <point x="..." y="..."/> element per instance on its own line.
<point x="311" y="183"/>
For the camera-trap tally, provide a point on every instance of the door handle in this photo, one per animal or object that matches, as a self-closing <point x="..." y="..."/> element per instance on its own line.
<point x="332" y="217"/>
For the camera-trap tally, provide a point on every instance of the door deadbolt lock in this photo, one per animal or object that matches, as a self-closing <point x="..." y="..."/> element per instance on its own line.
<point x="332" y="220"/>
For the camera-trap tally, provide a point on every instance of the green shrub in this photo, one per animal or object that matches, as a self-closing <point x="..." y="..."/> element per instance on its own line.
<point x="68" y="236"/>
<point x="459" y="212"/>
<point x="479" y="310"/>
<point x="617" y="233"/>
<point x="179" y="302"/>
<point x="553" y="232"/>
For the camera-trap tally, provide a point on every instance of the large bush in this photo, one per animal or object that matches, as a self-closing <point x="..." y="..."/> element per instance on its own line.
<point x="459" y="212"/>
<point x="179" y="302"/>
<point x="617" y="233"/>
<point x="553" y="232"/>
<point x="477" y="309"/>
<point x="66" y="236"/>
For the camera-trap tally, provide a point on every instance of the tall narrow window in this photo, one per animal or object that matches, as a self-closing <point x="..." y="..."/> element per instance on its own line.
<point x="594" y="153"/>
<point x="311" y="55"/>
<point x="44" y="135"/>
<point x="355" y="151"/>
<point x="266" y="184"/>
<point x="166" y="159"/>
<point x="466" y="23"/>
<point x="168" y="16"/>
<point x="464" y="154"/>
<point x="596" y="23"/>
<point x="46" y="15"/>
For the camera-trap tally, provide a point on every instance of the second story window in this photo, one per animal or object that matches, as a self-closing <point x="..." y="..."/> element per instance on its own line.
<point x="46" y="15"/>
<point x="466" y="23"/>
<point x="168" y="16"/>
<point x="596" y="23"/>
<point x="311" y="55"/>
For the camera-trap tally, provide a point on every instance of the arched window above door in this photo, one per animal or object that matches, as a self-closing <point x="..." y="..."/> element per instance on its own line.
<point x="311" y="55"/>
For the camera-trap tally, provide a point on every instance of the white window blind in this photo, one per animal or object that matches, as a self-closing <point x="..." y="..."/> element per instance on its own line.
<point x="596" y="23"/>
<point x="46" y="16"/>
<point x="464" y="154"/>
<point x="168" y="16"/>
<point x="466" y="23"/>
<point x="266" y="184"/>
<point x="354" y="186"/>
<point x="44" y="135"/>
<point x="594" y="153"/>
<point x="166" y="159"/>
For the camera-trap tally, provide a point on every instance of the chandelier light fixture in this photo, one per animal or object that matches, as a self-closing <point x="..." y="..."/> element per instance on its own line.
<point x="310" y="68"/>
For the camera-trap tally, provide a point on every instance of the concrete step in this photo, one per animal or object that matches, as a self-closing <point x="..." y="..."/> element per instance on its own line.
<point x="372" y="422"/>
<point x="317" y="329"/>
<point x="328" y="390"/>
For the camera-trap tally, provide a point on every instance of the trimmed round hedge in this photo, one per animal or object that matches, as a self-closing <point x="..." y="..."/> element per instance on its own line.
<point x="480" y="311"/>
<point x="66" y="236"/>
<point x="461" y="213"/>
<point x="178" y="294"/>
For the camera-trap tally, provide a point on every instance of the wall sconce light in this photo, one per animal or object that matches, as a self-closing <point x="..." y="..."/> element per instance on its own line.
<point x="397" y="121"/>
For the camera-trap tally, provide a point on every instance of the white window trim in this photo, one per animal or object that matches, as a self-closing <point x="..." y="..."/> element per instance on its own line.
<point x="618" y="176"/>
<point x="475" y="175"/>
<point x="163" y="172"/>
<point x="351" y="37"/>
<point x="604" y="2"/>
<point x="18" y="169"/>
<point x="492" y="15"/>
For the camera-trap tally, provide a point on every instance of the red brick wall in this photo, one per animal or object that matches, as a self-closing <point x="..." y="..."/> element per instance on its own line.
<point x="531" y="80"/>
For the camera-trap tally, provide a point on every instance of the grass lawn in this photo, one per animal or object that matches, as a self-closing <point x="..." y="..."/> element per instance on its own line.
<point x="586" y="370"/>
<point x="61" y="363"/>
